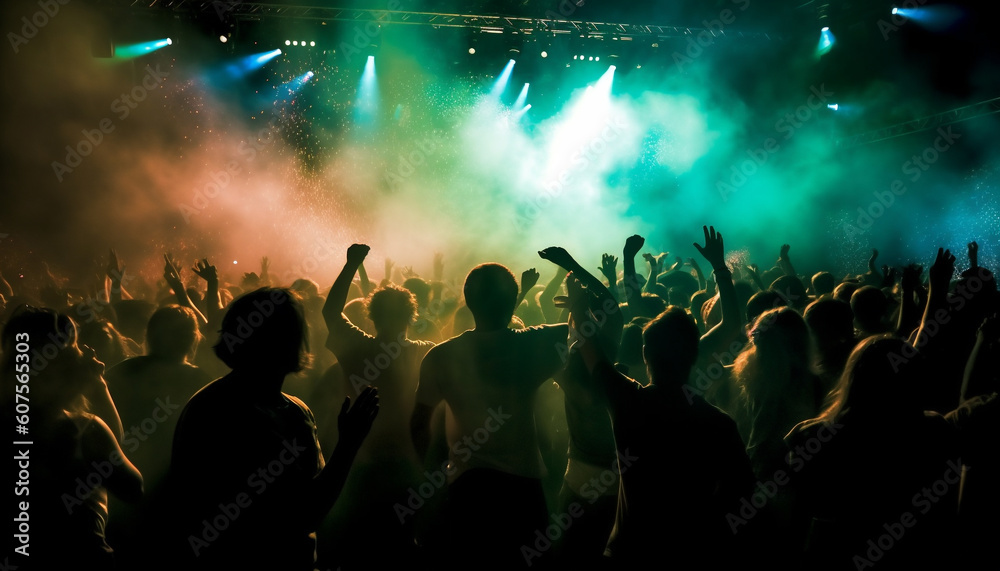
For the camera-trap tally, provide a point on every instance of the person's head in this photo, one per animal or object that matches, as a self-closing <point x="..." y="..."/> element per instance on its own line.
<point x="104" y="339"/>
<point x="763" y="301"/>
<point x="698" y="299"/>
<point x="421" y="290"/>
<point x="790" y="288"/>
<point x="779" y="353"/>
<point x="391" y="309"/>
<point x="831" y="321"/>
<point x="869" y="306"/>
<point x="305" y="288"/>
<point x="630" y="348"/>
<point x="264" y="331"/>
<point x="877" y="381"/>
<point x="356" y="311"/>
<point x="172" y="333"/>
<point x="60" y="370"/>
<point x="823" y="283"/>
<point x="490" y="293"/>
<point x="670" y="347"/>
<point x="845" y="290"/>
<point x="680" y="286"/>
<point x="649" y="305"/>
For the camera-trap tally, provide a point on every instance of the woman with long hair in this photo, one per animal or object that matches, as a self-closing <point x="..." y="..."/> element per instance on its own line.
<point x="877" y="476"/>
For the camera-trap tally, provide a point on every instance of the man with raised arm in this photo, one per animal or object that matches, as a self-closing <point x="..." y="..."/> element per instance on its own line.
<point x="687" y="465"/>
<point x="488" y="378"/>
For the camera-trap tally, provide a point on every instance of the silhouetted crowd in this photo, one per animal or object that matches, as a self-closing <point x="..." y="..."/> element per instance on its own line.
<point x="654" y="417"/>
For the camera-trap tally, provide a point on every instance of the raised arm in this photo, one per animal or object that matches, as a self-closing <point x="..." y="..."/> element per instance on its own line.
<point x="172" y="274"/>
<point x="116" y="273"/>
<point x="784" y="262"/>
<point x="609" y="268"/>
<point x="655" y="264"/>
<point x="545" y="300"/>
<point x="366" y="285"/>
<point x="265" y="274"/>
<point x="732" y="316"/>
<point x="528" y="280"/>
<point x="333" y="309"/>
<point x="633" y="292"/>
<point x="213" y="301"/>
<point x="600" y="297"/>
<point x="937" y="296"/>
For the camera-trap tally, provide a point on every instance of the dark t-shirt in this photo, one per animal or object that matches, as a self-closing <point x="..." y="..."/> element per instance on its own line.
<point x="241" y="476"/>
<point x="683" y="469"/>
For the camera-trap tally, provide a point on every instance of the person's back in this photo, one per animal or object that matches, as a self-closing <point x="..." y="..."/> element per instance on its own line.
<point x="682" y="462"/>
<point x="248" y="483"/>
<point x="260" y="458"/>
<point x="150" y="390"/>
<point x="683" y="468"/>
<point x="488" y="378"/>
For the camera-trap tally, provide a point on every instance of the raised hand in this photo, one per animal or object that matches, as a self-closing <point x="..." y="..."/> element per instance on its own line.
<point x="609" y="267"/>
<point x="116" y="268"/>
<point x="558" y="256"/>
<point x="528" y="279"/>
<point x="356" y="253"/>
<point x="388" y="270"/>
<point x="206" y="271"/>
<point x="783" y="253"/>
<point x="265" y="265"/>
<point x="633" y="244"/>
<point x="355" y="422"/>
<point x="409" y="273"/>
<point x="713" y="250"/>
<point x="171" y="273"/>
<point x="942" y="270"/>
<point x="575" y="298"/>
<point x="973" y="255"/>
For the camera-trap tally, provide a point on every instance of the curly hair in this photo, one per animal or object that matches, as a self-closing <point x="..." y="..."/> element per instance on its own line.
<point x="391" y="304"/>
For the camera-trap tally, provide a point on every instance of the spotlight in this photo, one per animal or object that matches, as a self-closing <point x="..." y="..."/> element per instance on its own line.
<point x="288" y="42"/>
<point x="303" y="42"/>
<point x="574" y="57"/>
<point x="472" y="51"/>
<point x="295" y="43"/>
<point x="895" y="10"/>
<point x="597" y="58"/>
<point x="581" y="56"/>
<point x="826" y="41"/>
<point x="312" y="44"/>
<point x="591" y="58"/>
<point x="834" y="106"/>
<point x="545" y="53"/>
<point x="223" y="39"/>
<point x="170" y="42"/>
